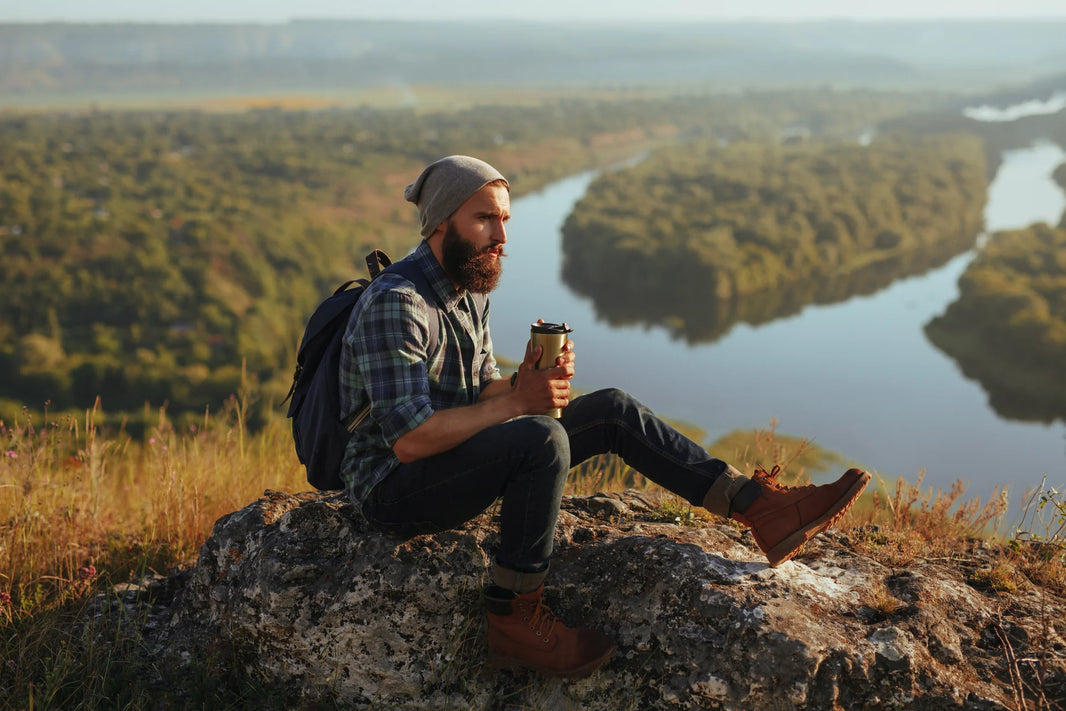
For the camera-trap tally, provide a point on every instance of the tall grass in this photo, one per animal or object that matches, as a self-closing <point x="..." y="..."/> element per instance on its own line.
<point x="1039" y="540"/>
<point x="81" y="510"/>
<point x="77" y="504"/>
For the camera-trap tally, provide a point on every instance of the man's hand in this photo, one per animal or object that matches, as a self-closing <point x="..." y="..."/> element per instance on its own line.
<point x="542" y="390"/>
<point x="535" y="393"/>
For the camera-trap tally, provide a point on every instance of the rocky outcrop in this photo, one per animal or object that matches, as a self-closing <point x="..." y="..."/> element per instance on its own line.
<point x="296" y="595"/>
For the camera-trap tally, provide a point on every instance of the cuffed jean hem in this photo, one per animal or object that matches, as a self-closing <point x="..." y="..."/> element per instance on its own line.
<point x="731" y="491"/>
<point x="517" y="581"/>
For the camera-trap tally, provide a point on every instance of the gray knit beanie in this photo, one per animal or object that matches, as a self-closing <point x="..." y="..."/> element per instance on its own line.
<point x="445" y="185"/>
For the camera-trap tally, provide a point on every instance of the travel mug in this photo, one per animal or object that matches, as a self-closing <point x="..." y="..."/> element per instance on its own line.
<point x="551" y="337"/>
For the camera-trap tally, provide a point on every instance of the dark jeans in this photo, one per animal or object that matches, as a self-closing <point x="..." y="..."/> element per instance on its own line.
<point x="525" y="461"/>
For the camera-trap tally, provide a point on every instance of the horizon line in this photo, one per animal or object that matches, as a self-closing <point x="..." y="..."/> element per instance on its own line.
<point x="887" y="19"/>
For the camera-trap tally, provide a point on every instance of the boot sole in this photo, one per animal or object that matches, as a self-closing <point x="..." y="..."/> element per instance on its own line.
<point x="792" y="545"/>
<point x="496" y="662"/>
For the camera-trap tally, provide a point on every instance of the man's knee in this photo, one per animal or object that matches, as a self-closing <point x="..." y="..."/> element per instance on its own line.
<point x="540" y="436"/>
<point x="613" y="401"/>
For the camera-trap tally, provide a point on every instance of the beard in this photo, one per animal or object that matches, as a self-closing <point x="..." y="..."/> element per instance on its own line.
<point x="470" y="268"/>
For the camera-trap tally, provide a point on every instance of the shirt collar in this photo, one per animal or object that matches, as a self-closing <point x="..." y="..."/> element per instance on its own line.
<point x="438" y="280"/>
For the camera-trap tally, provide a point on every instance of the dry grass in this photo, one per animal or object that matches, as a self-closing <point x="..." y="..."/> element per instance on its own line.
<point x="939" y="514"/>
<point x="76" y="504"/>
<point x="1001" y="576"/>
<point x="895" y="549"/>
<point x="909" y="522"/>
<point x="80" y="510"/>
<point x="881" y="600"/>
<point x="797" y="457"/>
<point x="1038" y="543"/>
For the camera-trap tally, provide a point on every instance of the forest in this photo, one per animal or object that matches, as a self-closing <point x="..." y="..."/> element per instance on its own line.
<point x="699" y="236"/>
<point x="155" y="258"/>
<point x="1007" y="329"/>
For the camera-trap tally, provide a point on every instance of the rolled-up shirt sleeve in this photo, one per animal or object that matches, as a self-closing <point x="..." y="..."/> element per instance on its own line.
<point x="389" y="343"/>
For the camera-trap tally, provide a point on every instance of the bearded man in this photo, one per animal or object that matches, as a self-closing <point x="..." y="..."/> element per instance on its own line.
<point x="447" y="435"/>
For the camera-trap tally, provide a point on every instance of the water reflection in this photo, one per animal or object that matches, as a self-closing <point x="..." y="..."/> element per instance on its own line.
<point x="687" y="309"/>
<point x="1015" y="391"/>
<point x="1034" y="107"/>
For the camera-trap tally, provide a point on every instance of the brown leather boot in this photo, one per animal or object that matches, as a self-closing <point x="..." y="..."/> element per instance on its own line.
<point x="783" y="518"/>
<point x="523" y="632"/>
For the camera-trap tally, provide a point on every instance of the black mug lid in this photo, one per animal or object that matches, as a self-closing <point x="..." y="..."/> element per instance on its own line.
<point x="552" y="328"/>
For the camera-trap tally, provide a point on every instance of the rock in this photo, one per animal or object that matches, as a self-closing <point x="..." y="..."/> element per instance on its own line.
<point x="894" y="647"/>
<point x="294" y="594"/>
<point x="944" y="644"/>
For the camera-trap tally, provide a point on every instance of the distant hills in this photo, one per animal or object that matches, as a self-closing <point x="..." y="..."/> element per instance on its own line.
<point x="54" y="59"/>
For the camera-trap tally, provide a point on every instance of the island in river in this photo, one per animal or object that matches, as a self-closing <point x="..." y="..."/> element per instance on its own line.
<point x="699" y="237"/>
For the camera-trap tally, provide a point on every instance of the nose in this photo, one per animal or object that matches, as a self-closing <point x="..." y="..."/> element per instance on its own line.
<point x="500" y="235"/>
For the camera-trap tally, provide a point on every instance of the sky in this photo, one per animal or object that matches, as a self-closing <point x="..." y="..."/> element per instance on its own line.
<point x="274" y="11"/>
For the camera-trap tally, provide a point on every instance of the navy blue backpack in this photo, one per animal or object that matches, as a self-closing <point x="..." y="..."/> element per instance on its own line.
<point x="320" y="435"/>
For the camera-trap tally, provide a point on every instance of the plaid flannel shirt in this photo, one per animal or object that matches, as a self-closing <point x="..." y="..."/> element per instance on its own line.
<point x="384" y="362"/>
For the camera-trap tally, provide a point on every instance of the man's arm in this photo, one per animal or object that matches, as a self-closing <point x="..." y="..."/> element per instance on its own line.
<point x="500" y="386"/>
<point x="535" y="392"/>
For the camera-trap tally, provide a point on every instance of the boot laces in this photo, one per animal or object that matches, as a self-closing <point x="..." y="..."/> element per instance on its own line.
<point x="769" y="479"/>
<point x="541" y="620"/>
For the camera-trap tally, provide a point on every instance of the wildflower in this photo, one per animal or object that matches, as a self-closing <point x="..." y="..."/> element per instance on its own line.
<point x="5" y="598"/>
<point x="87" y="572"/>
<point x="12" y="454"/>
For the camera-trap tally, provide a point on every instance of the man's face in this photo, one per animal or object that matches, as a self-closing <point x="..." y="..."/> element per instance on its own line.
<point x="473" y="240"/>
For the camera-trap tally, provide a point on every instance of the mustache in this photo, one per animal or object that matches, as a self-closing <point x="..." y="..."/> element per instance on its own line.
<point x="495" y="249"/>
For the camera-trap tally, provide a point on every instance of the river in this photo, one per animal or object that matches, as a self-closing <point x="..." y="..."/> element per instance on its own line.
<point x="857" y="377"/>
